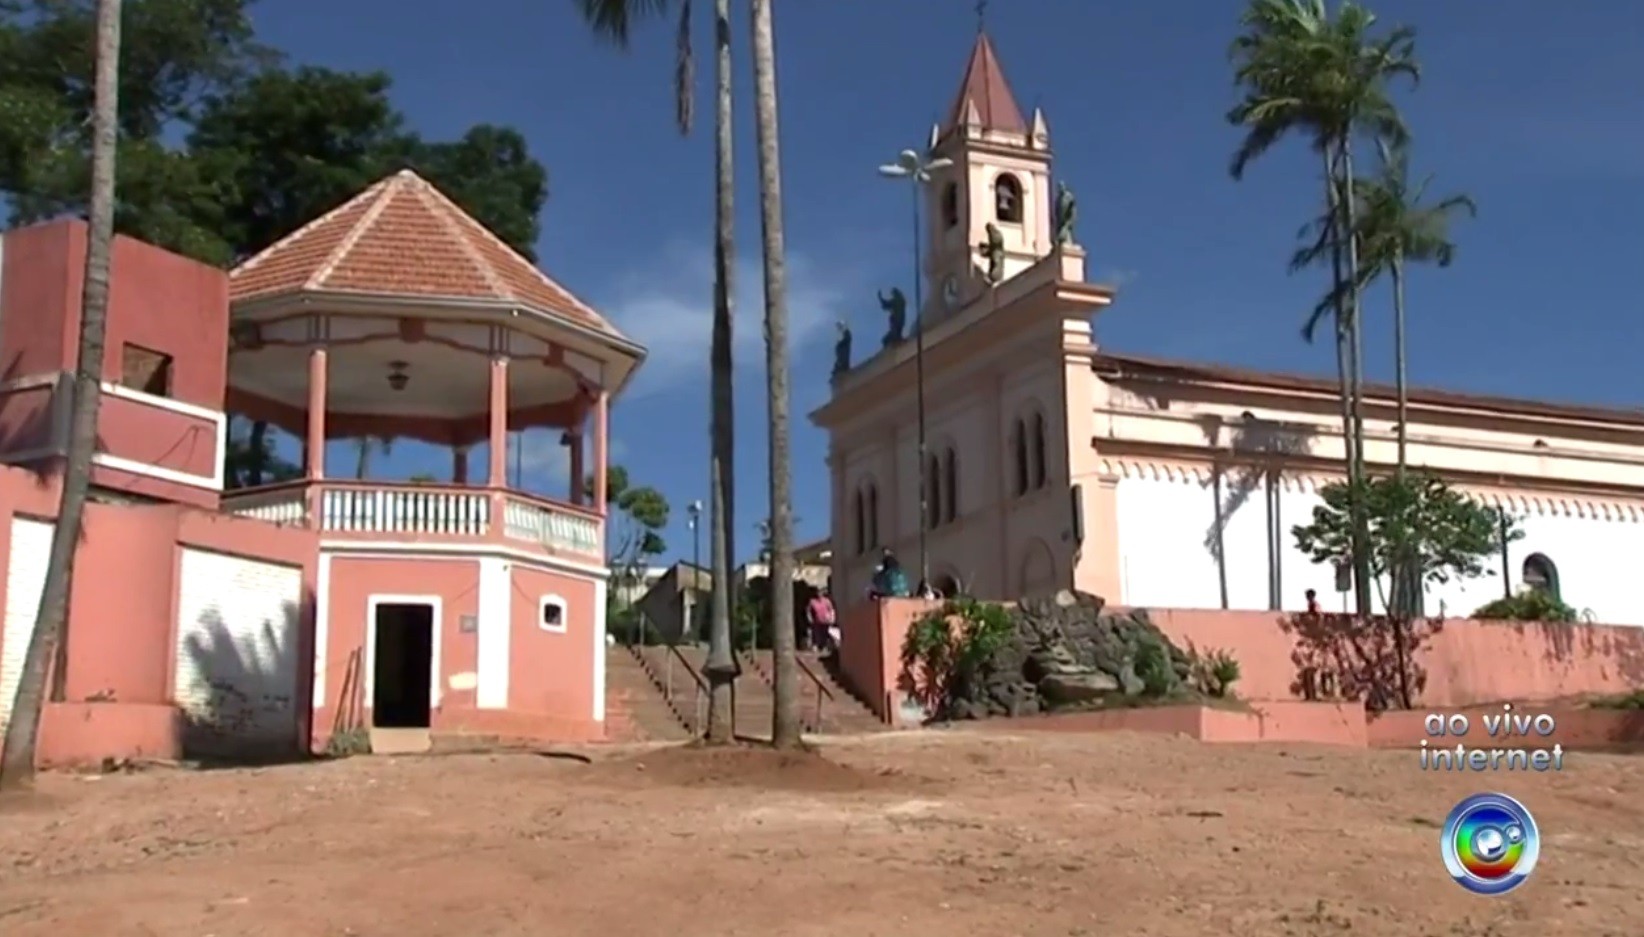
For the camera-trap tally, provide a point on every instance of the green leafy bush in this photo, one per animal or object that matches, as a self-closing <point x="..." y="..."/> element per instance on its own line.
<point x="1214" y="672"/>
<point x="945" y="648"/>
<point x="1527" y="605"/>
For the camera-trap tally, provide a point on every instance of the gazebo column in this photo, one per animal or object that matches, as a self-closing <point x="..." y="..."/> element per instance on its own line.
<point x="602" y="430"/>
<point x="579" y="477"/>
<point x="499" y="423"/>
<point x="314" y="443"/>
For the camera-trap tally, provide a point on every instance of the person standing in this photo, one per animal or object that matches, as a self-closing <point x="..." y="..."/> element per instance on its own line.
<point x="889" y="580"/>
<point x="820" y="615"/>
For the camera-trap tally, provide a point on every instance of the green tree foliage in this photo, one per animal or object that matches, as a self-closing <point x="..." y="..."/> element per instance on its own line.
<point x="1420" y="521"/>
<point x="633" y="532"/>
<point x="223" y="150"/>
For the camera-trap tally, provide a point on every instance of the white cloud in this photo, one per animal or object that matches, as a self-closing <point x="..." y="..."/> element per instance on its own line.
<point x="668" y="308"/>
<point x="540" y="456"/>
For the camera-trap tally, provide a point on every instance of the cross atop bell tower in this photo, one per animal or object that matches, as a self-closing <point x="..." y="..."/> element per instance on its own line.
<point x="1000" y="177"/>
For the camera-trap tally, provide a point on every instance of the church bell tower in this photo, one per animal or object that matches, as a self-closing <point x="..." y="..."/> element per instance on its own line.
<point x="1000" y="177"/>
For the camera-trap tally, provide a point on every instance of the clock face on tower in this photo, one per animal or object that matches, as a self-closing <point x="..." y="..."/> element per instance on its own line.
<point x="950" y="291"/>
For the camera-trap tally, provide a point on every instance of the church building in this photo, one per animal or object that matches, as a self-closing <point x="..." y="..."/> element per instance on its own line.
<point x="1054" y="462"/>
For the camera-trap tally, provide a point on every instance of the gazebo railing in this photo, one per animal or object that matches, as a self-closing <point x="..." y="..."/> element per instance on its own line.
<point x="549" y="525"/>
<point x="409" y="508"/>
<point x="412" y="509"/>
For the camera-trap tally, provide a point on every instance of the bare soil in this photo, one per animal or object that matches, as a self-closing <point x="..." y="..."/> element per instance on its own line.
<point x="902" y="835"/>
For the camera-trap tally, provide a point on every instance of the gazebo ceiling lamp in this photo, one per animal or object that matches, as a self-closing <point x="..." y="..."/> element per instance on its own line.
<point x="397" y="375"/>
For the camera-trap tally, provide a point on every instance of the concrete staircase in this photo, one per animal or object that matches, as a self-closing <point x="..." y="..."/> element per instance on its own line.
<point x="840" y="711"/>
<point x="659" y="694"/>
<point x="635" y="708"/>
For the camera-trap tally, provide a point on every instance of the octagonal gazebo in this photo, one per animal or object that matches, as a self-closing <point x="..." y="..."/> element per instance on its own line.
<point x="398" y="316"/>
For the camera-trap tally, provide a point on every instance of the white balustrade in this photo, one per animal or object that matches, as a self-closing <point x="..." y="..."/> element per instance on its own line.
<point x="285" y="506"/>
<point x="405" y="511"/>
<point x="537" y="523"/>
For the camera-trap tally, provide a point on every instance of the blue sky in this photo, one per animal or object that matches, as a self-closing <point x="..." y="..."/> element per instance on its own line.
<point x="1533" y="113"/>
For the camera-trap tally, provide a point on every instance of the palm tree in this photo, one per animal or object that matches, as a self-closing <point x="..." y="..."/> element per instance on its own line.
<point x="1303" y="70"/>
<point x="785" y="724"/>
<point x="44" y="657"/>
<point x="1393" y="227"/>
<point x="612" y="19"/>
<point x="1398" y="228"/>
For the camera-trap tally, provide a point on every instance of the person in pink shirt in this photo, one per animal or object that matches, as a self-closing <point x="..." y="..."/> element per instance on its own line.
<point x="819" y="616"/>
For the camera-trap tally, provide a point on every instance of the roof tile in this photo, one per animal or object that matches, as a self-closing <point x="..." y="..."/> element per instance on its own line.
<point x="403" y="237"/>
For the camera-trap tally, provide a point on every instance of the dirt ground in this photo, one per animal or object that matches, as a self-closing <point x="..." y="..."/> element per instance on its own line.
<point x="902" y="835"/>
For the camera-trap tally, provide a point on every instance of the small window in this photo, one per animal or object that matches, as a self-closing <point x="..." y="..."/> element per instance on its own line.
<point x="145" y="370"/>
<point x="551" y="614"/>
<point x="1007" y="199"/>
<point x="950" y="205"/>
<point x="1541" y="574"/>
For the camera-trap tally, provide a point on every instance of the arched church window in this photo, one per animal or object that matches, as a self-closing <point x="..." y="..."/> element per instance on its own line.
<point x="1007" y="198"/>
<point x="1541" y="574"/>
<point x="1040" y="472"/>
<point x="859" y="503"/>
<point x="933" y="492"/>
<point x="873" y="515"/>
<point x="950" y="205"/>
<point x="950" y="486"/>
<point x="1019" y="447"/>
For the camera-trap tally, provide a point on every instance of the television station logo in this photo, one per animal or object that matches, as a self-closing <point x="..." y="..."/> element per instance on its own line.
<point x="1490" y="844"/>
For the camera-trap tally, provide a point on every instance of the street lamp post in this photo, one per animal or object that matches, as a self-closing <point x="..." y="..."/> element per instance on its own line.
<point x="917" y="170"/>
<point x="693" y="518"/>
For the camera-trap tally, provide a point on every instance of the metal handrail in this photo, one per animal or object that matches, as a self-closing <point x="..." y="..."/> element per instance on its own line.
<point x="700" y="690"/>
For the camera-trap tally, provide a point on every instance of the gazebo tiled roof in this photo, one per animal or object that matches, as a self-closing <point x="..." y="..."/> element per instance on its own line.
<point x="402" y="237"/>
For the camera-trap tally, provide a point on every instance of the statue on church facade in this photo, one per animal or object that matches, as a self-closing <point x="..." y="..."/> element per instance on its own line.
<point x="1067" y="211"/>
<point x="993" y="251"/>
<point x="841" y="350"/>
<point x="896" y="306"/>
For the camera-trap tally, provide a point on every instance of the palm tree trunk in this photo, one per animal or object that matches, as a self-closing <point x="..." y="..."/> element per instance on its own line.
<point x="1407" y="585"/>
<point x="1399" y="378"/>
<point x="721" y="669"/>
<point x="257" y="452"/>
<point x="785" y="725"/>
<point x="1361" y="553"/>
<point x="22" y="731"/>
<point x="362" y="457"/>
<point x="1344" y="369"/>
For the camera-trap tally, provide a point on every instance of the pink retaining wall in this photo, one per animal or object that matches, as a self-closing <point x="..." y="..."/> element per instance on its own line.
<point x="1466" y="663"/>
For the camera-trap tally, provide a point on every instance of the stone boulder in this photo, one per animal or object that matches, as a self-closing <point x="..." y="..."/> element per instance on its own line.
<point x="1065" y="652"/>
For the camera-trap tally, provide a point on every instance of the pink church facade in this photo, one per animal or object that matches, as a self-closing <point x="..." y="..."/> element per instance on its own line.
<point x="1054" y="462"/>
<point x="270" y="619"/>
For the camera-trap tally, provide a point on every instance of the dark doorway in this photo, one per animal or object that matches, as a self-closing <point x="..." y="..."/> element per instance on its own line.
<point x="403" y="672"/>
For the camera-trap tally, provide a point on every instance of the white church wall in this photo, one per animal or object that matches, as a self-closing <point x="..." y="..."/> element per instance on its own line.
<point x="1166" y="519"/>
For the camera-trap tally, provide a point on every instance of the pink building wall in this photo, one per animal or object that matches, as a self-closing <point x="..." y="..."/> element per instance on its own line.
<point x="550" y="674"/>
<point x="158" y="301"/>
<point x="123" y="618"/>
